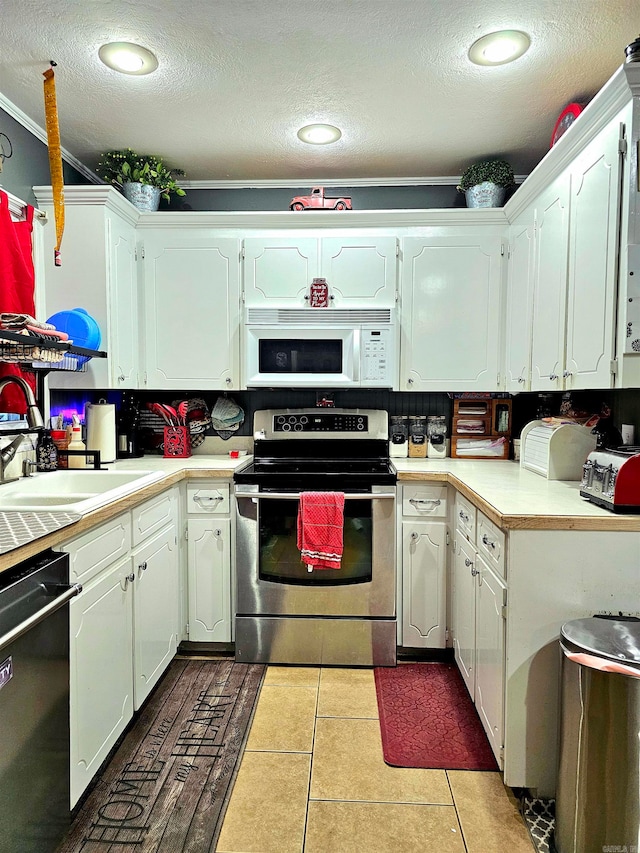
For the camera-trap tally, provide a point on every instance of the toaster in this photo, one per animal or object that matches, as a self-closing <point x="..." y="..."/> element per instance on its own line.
<point x="611" y="479"/>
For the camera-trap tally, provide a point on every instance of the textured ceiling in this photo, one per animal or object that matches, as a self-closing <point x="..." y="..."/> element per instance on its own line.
<point x="237" y="78"/>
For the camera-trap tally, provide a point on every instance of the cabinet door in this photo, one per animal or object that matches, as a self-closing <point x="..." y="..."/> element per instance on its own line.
<point x="519" y="303"/>
<point x="279" y="270"/>
<point x="101" y="671"/>
<point x="191" y="310"/>
<point x="155" y="566"/>
<point x="123" y="339"/>
<point x="550" y="288"/>
<point x="450" y="318"/>
<point x="423" y="584"/>
<point x="209" y="572"/>
<point x="592" y="285"/>
<point x="360" y="271"/>
<point x="490" y="663"/>
<point x="464" y="611"/>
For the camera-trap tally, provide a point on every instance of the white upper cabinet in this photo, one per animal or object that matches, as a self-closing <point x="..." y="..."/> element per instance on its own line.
<point x="451" y="312"/>
<point x="593" y="261"/>
<point x="191" y="309"/>
<point x="99" y="274"/>
<point x="519" y="302"/>
<point x="360" y="271"/>
<point x="550" y="288"/>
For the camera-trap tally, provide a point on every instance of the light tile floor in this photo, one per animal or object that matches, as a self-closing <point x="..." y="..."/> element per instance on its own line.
<point x="313" y="780"/>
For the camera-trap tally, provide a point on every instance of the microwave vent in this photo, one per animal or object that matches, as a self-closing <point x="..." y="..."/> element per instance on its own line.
<point x="318" y="316"/>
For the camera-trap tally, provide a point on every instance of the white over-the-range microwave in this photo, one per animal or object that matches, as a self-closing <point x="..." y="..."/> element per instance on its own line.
<point x="320" y="348"/>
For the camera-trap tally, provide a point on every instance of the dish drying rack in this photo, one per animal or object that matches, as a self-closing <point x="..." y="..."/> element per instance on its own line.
<point x="44" y="352"/>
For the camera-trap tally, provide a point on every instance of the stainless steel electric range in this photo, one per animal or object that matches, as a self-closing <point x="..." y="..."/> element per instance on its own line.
<point x="284" y="612"/>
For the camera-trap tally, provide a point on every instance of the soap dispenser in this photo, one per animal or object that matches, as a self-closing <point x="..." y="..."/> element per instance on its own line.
<point x="77" y="443"/>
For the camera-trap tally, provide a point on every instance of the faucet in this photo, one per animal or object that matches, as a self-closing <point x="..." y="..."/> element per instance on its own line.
<point x="34" y="419"/>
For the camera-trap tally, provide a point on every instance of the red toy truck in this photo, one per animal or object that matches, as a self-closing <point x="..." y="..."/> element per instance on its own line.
<point x="318" y="200"/>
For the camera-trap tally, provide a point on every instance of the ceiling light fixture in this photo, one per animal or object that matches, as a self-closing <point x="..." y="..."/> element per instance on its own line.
<point x="128" y="58"/>
<point x="499" y="48"/>
<point x="319" y="134"/>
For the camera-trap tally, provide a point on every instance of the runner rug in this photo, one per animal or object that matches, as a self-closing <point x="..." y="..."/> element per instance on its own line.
<point x="167" y="786"/>
<point x="427" y="719"/>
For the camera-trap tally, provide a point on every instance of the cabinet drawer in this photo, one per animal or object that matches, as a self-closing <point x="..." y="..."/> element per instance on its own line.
<point x="152" y="516"/>
<point x="465" y="517"/>
<point x="92" y="552"/>
<point x="425" y="501"/>
<point x="209" y="498"/>
<point x="490" y="542"/>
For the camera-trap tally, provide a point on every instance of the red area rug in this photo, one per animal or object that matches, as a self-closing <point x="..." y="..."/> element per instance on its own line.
<point x="427" y="719"/>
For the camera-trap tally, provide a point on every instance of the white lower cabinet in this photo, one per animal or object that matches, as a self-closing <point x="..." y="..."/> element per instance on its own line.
<point x="424" y="565"/>
<point x="209" y="563"/>
<point x="123" y="626"/>
<point x="490" y="633"/>
<point x="101" y="671"/>
<point x="478" y="615"/>
<point x="155" y="609"/>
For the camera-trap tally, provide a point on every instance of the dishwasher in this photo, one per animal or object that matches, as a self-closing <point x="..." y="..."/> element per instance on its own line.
<point x="34" y="703"/>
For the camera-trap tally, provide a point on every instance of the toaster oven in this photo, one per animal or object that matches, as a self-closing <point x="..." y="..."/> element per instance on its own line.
<point x="611" y="479"/>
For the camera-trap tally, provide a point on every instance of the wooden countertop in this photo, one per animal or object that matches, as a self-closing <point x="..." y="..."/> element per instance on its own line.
<point x="514" y="498"/>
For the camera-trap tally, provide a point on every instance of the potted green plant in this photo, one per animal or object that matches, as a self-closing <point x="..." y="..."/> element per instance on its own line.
<point x="144" y="178"/>
<point x="485" y="183"/>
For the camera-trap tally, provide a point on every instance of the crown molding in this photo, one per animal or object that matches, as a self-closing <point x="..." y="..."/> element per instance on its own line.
<point x="100" y="194"/>
<point x="602" y="109"/>
<point x="41" y="134"/>
<point x="301" y="220"/>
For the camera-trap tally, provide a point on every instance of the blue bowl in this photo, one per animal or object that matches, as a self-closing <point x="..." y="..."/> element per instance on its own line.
<point x="80" y="326"/>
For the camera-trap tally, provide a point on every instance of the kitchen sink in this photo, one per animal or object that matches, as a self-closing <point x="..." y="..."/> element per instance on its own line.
<point x="72" y="491"/>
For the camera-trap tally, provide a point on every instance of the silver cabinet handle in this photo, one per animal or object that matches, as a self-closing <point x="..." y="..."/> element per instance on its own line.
<point x="131" y="578"/>
<point x="468" y="562"/>
<point x="567" y="374"/>
<point x="121" y="377"/>
<point x="217" y="532"/>
<point x="553" y="376"/>
<point x="409" y="381"/>
<point x="228" y="380"/>
<point x="433" y="502"/>
<point x="143" y="566"/>
<point x="414" y="536"/>
<point x="488" y="542"/>
<point x="463" y="516"/>
<point x="521" y="379"/>
<point x="209" y="499"/>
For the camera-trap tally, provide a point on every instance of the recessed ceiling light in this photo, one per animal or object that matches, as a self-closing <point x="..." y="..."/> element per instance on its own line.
<point x="128" y="58"/>
<point x="499" y="48"/>
<point x="319" y="134"/>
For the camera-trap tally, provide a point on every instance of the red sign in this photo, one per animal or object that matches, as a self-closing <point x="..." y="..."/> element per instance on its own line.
<point x="319" y="293"/>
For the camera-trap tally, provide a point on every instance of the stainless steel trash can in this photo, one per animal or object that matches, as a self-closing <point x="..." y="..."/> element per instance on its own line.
<point x="598" y="790"/>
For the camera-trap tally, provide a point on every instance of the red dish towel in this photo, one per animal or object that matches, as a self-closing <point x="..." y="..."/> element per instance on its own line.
<point x="320" y="525"/>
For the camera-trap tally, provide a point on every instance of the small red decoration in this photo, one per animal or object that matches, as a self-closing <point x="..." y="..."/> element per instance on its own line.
<point x="566" y="118"/>
<point x="319" y="293"/>
<point x="319" y="201"/>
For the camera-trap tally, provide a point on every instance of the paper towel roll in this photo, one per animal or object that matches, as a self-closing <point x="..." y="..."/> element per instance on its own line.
<point x="101" y="429"/>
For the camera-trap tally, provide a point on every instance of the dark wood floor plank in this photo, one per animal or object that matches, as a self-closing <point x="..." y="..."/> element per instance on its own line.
<point x="166" y="788"/>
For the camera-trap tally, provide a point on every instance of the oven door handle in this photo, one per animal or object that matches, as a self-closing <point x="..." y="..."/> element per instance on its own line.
<point x="294" y="496"/>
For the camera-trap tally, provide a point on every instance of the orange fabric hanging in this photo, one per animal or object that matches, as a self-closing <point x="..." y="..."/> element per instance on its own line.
<point x="17" y="285"/>
<point x="55" y="158"/>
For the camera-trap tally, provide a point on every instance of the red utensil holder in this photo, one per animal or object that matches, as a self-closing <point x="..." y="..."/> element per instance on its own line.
<point x="177" y="442"/>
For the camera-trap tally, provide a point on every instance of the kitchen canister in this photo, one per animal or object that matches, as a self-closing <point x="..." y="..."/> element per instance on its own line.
<point x="398" y="436"/>
<point x="417" y="436"/>
<point x="101" y="429"/>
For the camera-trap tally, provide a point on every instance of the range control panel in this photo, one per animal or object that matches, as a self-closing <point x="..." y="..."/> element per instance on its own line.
<point x="312" y="422"/>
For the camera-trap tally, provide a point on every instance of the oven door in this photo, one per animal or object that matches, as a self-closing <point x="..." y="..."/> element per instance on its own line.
<point x="272" y="579"/>
<point x="287" y="356"/>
